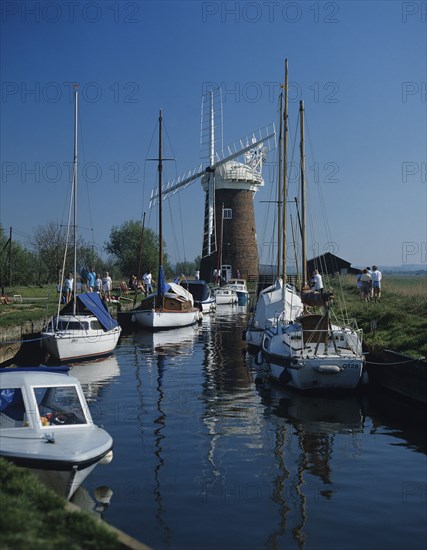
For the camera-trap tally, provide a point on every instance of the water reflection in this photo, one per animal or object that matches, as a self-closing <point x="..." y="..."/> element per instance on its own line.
<point x="166" y="342"/>
<point x="95" y="505"/>
<point x="155" y="354"/>
<point x="96" y="374"/>
<point x="304" y="440"/>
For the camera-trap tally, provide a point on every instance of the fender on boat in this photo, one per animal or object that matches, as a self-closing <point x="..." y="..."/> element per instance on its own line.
<point x="259" y="358"/>
<point x="327" y="369"/>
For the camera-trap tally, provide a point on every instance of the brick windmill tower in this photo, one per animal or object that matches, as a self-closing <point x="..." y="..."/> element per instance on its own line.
<point x="230" y="182"/>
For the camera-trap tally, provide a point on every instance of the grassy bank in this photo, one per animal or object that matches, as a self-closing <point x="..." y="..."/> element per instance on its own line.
<point x="33" y="516"/>
<point x="37" y="303"/>
<point x="399" y="321"/>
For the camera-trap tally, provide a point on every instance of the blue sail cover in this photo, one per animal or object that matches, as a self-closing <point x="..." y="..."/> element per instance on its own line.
<point x="94" y="304"/>
<point x="161" y="287"/>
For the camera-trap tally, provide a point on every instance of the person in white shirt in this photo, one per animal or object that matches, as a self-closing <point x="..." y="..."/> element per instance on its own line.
<point x="147" y="281"/>
<point x="107" y="284"/>
<point x="68" y="287"/>
<point x="366" y="281"/>
<point x="316" y="281"/>
<point x="376" y="277"/>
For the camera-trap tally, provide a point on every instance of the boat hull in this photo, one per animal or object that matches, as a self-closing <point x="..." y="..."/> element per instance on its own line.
<point x="318" y="374"/>
<point x="158" y="319"/>
<point x="313" y="360"/>
<point x="76" y="345"/>
<point x="62" y="476"/>
<point x="225" y="298"/>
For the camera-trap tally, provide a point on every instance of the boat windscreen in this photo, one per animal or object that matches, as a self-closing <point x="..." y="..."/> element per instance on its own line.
<point x="59" y="405"/>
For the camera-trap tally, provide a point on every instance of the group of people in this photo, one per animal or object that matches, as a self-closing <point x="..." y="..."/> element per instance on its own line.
<point x="94" y="283"/>
<point x="369" y="284"/>
<point x="145" y="284"/>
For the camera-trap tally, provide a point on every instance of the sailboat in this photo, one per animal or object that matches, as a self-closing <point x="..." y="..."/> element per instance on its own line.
<point x="84" y="328"/>
<point x="310" y="352"/>
<point x="172" y="306"/>
<point x="278" y="302"/>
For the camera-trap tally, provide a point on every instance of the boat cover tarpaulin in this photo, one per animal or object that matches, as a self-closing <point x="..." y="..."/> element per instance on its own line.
<point x="90" y="301"/>
<point x="276" y="300"/>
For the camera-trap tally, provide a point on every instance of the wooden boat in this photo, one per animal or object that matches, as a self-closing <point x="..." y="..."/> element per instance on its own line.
<point x="172" y="306"/>
<point x="45" y="425"/>
<point x="84" y="328"/>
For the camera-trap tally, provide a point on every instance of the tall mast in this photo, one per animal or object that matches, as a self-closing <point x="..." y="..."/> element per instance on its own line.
<point x="285" y="171"/>
<point x="76" y="96"/>
<point x="303" y="207"/>
<point x="160" y="169"/>
<point x="279" y="190"/>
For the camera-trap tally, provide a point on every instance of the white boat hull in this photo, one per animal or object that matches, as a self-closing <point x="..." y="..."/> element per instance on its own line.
<point x="156" y="319"/>
<point x="253" y="337"/>
<point x="64" y="482"/>
<point x="225" y="298"/>
<point x="334" y="363"/>
<point x="75" y="345"/>
<point x="318" y="374"/>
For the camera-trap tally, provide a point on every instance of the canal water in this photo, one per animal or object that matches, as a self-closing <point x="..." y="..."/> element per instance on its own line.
<point x="208" y="454"/>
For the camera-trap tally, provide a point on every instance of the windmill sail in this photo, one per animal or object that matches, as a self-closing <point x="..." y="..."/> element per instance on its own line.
<point x="234" y="174"/>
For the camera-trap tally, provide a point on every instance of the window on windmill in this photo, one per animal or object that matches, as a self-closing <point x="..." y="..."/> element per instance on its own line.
<point x="228" y="213"/>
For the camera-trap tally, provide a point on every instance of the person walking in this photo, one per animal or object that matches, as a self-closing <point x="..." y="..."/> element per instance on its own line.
<point x="366" y="281"/>
<point x="147" y="279"/>
<point x="376" y="277"/>
<point x="107" y="285"/>
<point x="91" y="280"/>
<point x="98" y="284"/>
<point x="68" y="287"/>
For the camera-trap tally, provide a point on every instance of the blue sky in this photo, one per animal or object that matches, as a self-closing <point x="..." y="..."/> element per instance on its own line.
<point x="361" y="68"/>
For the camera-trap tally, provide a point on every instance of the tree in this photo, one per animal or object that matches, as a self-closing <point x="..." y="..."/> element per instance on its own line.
<point x="49" y="242"/>
<point x="125" y="247"/>
<point x="188" y="268"/>
<point x="17" y="263"/>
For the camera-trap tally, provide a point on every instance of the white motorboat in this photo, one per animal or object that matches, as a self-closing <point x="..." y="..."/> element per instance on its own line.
<point x="84" y="328"/>
<point x="239" y="285"/>
<point x="45" y="425"/>
<point x="225" y="296"/>
<point x="202" y="295"/>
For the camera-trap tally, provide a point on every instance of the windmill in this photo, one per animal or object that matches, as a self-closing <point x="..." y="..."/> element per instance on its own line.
<point x="230" y="182"/>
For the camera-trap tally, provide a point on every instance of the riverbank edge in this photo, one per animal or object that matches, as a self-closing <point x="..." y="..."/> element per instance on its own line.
<point x="124" y="539"/>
